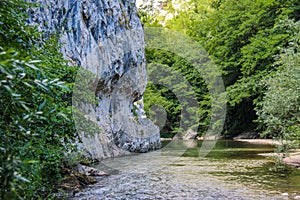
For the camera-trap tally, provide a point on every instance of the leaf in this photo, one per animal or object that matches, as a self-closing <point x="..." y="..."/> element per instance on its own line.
<point x="53" y="81"/>
<point x="21" y="178"/>
<point x="26" y="117"/>
<point x="7" y="88"/>
<point x="39" y="75"/>
<point x="31" y="161"/>
<point x="35" y="61"/>
<point x="41" y="106"/>
<point x="27" y="84"/>
<point x="3" y="70"/>
<point x="32" y="66"/>
<point x="38" y="82"/>
<point x="16" y="95"/>
<point x="23" y="104"/>
<point x="63" y="115"/>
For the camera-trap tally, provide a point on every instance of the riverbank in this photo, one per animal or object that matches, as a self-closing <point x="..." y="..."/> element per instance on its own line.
<point x="293" y="157"/>
<point x="252" y="141"/>
<point x="259" y="141"/>
<point x="76" y="178"/>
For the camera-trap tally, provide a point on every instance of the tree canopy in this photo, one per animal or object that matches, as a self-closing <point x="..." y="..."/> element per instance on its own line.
<point x="249" y="41"/>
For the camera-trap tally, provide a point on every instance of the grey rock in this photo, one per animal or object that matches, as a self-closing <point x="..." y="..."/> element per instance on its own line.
<point x="188" y="135"/>
<point x="106" y="38"/>
<point x="247" y="135"/>
<point x="90" y="171"/>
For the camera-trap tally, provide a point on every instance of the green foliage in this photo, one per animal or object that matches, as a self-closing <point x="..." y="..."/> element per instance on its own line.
<point x="243" y="38"/>
<point x="188" y="19"/>
<point x="148" y="19"/>
<point x="84" y="101"/>
<point x="169" y="69"/>
<point x="13" y="13"/>
<point x="35" y="123"/>
<point x="35" y="107"/>
<point x="279" y="109"/>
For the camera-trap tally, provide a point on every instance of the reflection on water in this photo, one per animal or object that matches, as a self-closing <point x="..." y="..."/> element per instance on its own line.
<point x="232" y="170"/>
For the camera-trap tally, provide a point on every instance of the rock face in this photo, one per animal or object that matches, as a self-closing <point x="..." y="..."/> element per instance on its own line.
<point x="104" y="37"/>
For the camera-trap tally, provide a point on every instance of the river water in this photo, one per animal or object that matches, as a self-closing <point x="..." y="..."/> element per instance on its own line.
<point x="231" y="170"/>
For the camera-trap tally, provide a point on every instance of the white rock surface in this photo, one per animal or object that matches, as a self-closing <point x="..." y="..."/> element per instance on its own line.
<point x="106" y="38"/>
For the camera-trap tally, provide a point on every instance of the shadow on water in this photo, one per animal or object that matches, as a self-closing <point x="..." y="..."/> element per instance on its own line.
<point x="264" y="176"/>
<point x="228" y="149"/>
<point x="240" y="161"/>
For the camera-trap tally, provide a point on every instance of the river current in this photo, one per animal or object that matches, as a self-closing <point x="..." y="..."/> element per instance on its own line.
<point x="231" y="170"/>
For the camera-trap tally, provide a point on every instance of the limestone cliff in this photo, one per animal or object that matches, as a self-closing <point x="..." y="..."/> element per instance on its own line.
<point x="106" y="38"/>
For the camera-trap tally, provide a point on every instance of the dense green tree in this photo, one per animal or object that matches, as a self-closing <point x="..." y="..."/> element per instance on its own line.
<point x="157" y="94"/>
<point x="243" y="38"/>
<point x="279" y="109"/>
<point x="35" y="111"/>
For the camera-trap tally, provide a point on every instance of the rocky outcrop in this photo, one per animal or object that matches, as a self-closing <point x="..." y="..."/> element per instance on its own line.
<point x="293" y="159"/>
<point x="105" y="38"/>
<point x="89" y="171"/>
<point x="248" y="135"/>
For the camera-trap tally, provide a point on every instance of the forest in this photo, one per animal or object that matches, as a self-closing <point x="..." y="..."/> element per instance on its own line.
<point x="255" y="44"/>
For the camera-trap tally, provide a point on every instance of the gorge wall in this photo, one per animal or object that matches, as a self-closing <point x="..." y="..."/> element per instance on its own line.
<point x="104" y="37"/>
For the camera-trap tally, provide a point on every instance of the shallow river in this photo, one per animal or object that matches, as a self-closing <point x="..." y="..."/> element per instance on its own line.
<point x="231" y="170"/>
